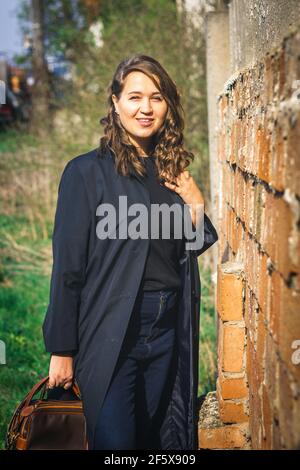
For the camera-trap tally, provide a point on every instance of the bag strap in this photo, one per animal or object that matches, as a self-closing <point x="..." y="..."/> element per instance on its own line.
<point x="35" y="389"/>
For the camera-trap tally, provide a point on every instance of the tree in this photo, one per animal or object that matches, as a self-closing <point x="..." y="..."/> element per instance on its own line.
<point x="41" y="88"/>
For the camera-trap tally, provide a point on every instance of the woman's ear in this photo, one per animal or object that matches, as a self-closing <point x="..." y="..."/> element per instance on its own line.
<point x="114" y="98"/>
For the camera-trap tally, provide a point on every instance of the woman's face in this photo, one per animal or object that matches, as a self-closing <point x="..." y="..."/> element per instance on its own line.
<point x="140" y="99"/>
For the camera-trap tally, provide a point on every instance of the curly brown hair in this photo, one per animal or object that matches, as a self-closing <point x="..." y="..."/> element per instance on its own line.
<point x="167" y="144"/>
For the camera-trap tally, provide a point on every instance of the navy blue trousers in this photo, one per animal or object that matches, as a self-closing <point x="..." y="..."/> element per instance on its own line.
<point x="133" y="404"/>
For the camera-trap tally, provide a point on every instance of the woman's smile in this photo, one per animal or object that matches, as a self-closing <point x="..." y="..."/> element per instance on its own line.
<point x="144" y="122"/>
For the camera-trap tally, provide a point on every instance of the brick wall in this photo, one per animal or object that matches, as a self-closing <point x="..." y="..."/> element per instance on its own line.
<point x="258" y="387"/>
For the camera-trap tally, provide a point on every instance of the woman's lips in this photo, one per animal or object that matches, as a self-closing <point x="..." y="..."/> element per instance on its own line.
<point x="145" y="122"/>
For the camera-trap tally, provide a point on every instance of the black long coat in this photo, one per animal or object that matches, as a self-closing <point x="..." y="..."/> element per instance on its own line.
<point x="93" y="288"/>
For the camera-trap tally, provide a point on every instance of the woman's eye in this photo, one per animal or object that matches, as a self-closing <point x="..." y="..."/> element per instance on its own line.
<point x="155" y="98"/>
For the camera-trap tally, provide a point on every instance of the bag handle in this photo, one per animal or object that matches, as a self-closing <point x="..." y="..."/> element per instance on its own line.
<point x="42" y="383"/>
<point x="74" y="387"/>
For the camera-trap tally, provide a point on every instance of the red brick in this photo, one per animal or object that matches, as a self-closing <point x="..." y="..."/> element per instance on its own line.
<point x="263" y="151"/>
<point x="290" y="435"/>
<point x="247" y="306"/>
<point x="266" y="419"/>
<point x="279" y="222"/>
<point x="233" y="147"/>
<point x="237" y="237"/>
<point x="220" y="344"/>
<point x="273" y="311"/>
<point x="225" y="437"/>
<point x="233" y="348"/>
<point x="230" y="388"/>
<point x="264" y="281"/>
<point x="278" y="169"/>
<point x="249" y="206"/>
<point x="232" y="412"/>
<point x="229" y="293"/>
<point x="261" y="339"/>
<point x="271" y="376"/>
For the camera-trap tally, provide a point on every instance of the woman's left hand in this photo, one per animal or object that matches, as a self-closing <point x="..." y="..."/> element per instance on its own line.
<point x="186" y="187"/>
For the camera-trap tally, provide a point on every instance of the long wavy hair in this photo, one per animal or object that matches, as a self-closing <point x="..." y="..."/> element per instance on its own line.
<point x="167" y="144"/>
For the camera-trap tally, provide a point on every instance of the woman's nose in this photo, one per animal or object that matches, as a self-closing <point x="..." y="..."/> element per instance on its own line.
<point x="146" y="106"/>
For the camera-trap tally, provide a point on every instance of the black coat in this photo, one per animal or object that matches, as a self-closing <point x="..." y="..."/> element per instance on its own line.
<point x="93" y="288"/>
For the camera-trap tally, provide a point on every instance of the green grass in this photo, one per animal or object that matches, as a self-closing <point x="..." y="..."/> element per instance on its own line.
<point x="24" y="290"/>
<point x="208" y="337"/>
<point x="23" y="300"/>
<point x="12" y="140"/>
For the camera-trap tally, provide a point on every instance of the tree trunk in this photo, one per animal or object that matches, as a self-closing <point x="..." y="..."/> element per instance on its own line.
<point x="40" y="121"/>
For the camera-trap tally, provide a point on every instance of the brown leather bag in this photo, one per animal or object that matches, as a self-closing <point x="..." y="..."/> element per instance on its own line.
<point x="48" y="424"/>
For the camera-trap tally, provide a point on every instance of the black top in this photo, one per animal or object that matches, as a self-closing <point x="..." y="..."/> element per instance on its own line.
<point x="162" y="264"/>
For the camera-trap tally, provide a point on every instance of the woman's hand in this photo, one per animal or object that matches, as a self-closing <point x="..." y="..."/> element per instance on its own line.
<point x="60" y="371"/>
<point x="191" y="194"/>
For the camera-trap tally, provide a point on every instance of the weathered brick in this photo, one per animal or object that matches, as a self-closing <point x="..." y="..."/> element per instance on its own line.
<point x="278" y="169"/>
<point x="266" y="419"/>
<point x="261" y="333"/>
<point x="264" y="280"/>
<point x="230" y="292"/>
<point x="232" y="412"/>
<point x="263" y="150"/>
<point x="279" y="222"/>
<point x="220" y="344"/>
<point x="247" y="306"/>
<point x="273" y="311"/>
<point x="232" y="139"/>
<point x="225" y="437"/>
<point x="230" y="387"/>
<point x="287" y="399"/>
<point x="237" y="237"/>
<point x="233" y="348"/>
<point x="259" y="211"/>
<point x="271" y="375"/>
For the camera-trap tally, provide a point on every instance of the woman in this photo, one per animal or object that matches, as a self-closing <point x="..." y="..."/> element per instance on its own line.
<point x="123" y="317"/>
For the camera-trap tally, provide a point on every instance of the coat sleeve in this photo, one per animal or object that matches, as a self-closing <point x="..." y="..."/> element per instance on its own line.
<point x="70" y="251"/>
<point x="63" y="353"/>
<point x="210" y="236"/>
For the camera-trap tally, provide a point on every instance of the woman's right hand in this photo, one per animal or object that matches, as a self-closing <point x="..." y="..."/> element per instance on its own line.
<point x="60" y="371"/>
